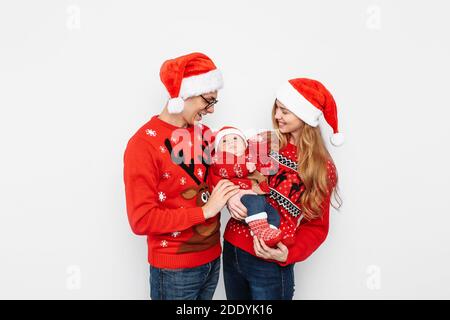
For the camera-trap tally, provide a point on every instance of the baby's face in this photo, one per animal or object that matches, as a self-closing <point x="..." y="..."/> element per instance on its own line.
<point x="232" y="143"/>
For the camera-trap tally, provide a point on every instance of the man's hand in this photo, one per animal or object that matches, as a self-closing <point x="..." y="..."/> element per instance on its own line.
<point x="221" y="193"/>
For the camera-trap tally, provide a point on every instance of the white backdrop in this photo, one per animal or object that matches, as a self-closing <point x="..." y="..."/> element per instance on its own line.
<point x="79" y="77"/>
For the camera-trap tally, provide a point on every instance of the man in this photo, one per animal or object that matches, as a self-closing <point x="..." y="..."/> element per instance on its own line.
<point x="166" y="183"/>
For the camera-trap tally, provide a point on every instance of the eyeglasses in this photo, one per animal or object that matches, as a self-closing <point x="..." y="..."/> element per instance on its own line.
<point x="210" y="102"/>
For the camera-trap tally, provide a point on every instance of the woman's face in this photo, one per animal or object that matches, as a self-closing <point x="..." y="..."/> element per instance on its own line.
<point x="286" y="120"/>
<point x="194" y="107"/>
<point x="232" y="143"/>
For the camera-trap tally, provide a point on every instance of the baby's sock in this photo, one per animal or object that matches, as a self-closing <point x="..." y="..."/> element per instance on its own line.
<point x="260" y="227"/>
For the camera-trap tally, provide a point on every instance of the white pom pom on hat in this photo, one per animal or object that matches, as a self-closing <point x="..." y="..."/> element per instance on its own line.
<point x="189" y="76"/>
<point x="175" y="105"/>
<point x="337" y="139"/>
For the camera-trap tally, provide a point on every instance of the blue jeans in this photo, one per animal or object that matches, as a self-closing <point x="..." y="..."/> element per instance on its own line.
<point x="258" y="203"/>
<point x="198" y="283"/>
<point x="248" y="277"/>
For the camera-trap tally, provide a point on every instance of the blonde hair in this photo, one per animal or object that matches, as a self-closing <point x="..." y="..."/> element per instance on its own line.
<point x="312" y="157"/>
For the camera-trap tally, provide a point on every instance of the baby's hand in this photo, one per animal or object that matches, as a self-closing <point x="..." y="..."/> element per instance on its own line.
<point x="250" y="166"/>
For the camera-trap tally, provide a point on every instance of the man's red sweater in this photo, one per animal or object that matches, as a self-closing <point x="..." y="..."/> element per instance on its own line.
<point x="165" y="189"/>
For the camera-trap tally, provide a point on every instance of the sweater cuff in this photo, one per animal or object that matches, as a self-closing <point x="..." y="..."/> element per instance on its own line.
<point x="196" y="215"/>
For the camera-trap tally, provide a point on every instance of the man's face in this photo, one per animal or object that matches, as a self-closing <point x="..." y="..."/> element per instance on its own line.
<point x="194" y="107"/>
<point x="232" y="143"/>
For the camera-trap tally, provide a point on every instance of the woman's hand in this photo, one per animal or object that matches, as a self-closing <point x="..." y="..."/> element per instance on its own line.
<point x="256" y="178"/>
<point x="256" y="188"/>
<point x="221" y="193"/>
<point x="250" y="166"/>
<point x="237" y="210"/>
<point x="263" y="251"/>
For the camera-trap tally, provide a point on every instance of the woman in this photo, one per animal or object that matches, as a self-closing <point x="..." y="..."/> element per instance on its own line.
<point x="301" y="191"/>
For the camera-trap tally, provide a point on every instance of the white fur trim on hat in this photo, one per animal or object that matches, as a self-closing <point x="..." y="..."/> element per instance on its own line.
<point x="175" y="105"/>
<point x="200" y="84"/>
<point x="258" y="216"/>
<point x="298" y="104"/>
<point x="224" y="132"/>
<point x="337" y="139"/>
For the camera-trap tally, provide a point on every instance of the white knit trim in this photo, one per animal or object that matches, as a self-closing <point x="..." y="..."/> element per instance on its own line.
<point x="258" y="216"/>
<point x="298" y="104"/>
<point x="223" y="133"/>
<point x="201" y="84"/>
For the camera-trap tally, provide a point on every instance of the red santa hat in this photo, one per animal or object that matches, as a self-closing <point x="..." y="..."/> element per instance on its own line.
<point x="187" y="76"/>
<point x="309" y="99"/>
<point x="226" y="131"/>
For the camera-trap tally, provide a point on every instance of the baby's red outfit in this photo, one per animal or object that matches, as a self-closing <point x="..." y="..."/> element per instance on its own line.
<point x="229" y="166"/>
<point x="232" y="167"/>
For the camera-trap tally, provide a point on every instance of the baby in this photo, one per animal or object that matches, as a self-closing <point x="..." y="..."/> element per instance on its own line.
<point x="233" y="161"/>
